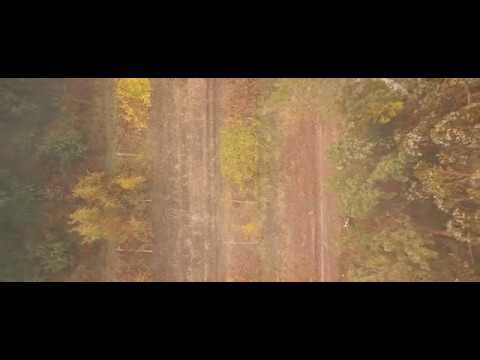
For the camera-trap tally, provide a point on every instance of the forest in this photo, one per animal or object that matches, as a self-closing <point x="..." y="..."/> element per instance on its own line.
<point x="60" y="171"/>
<point x="241" y="179"/>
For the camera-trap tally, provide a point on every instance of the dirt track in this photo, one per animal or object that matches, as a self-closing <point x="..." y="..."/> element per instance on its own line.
<point x="198" y="218"/>
<point x="305" y="212"/>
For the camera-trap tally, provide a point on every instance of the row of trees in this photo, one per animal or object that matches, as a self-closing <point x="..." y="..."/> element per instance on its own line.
<point x="112" y="205"/>
<point x="54" y="220"/>
<point x="113" y="208"/>
<point x="408" y="175"/>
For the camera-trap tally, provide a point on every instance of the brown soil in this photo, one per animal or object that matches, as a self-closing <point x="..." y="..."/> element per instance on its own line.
<point x="199" y="220"/>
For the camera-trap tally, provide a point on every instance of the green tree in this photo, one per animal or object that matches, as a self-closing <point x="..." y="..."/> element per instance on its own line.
<point x="408" y="145"/>
<point x="53" y="256"/>
<point x="393" y="250"/>
<point x="65" y="147"/>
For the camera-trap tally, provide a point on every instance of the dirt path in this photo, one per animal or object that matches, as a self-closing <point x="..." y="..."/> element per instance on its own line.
<point x="304" y="212"/>
<point x="198" y="218"/>
<point x="185" y="184"/>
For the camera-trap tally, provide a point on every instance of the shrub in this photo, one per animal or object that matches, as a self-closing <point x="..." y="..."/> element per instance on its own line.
<point x="251" y="229"/>
<point x="239" y="153"/>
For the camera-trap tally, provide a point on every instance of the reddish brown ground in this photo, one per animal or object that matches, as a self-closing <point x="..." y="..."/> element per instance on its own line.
<point x="198" y="217"/>
<point x="304" y="214"/>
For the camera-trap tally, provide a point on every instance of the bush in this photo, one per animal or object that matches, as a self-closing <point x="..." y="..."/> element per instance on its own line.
<point x="239" y="153"/>
<point x="251" y="229"/>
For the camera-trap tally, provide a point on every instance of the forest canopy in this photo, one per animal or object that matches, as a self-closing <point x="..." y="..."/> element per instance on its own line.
<point x="407" y="169"/>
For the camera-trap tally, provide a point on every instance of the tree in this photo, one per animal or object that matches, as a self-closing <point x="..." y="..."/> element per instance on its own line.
<point x="134" y="101"/>
<point x="391" y="251"/>
<point x="53" y="255"/>
<point x="357" y="197"/>
<point x="373" y="101"/>
<point x="112" y="209"/>
<point x="238" y="153"/>
<point x="65" y="146"/>
<point x="407" y="145"/>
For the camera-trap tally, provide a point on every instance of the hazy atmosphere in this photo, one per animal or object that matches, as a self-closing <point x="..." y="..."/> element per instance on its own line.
<point x="240" y="180"/>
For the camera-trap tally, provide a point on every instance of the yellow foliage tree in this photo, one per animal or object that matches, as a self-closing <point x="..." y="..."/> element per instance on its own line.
<point x="129" y="182"/>
<point x="238" y="153"/>
<point x="134" y="101"/>
<point x="112" y="209"/>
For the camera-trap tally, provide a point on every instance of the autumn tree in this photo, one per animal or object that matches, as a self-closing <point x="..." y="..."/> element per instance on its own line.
<point x="134" y="101"/>
<point x="111" y="208"/>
